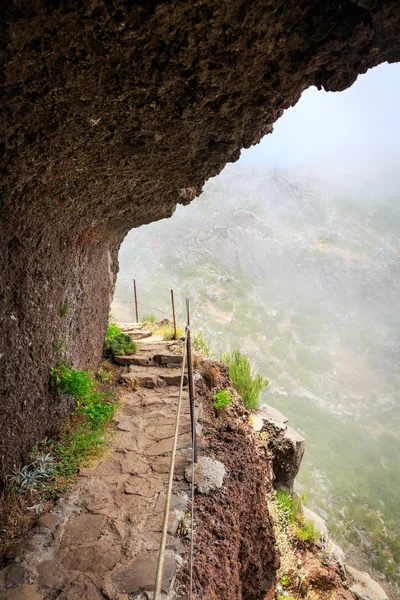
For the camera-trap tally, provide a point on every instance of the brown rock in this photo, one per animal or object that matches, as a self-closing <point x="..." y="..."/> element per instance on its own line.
<point x="12" y="574"/>
<point x="21" y="592"/>
<point x="82" y="529"/>
<point x="94" y="558"/>
<point x="80" y="590"/>
<point x="166" y="445"/>
<point x="140" y="574"/>
<point x="144" y="486"/>
<point x="97" y="495"/>
<point x="48" y="521"/>
<point x="134" y="463"/>
<point x="51" y="574"/>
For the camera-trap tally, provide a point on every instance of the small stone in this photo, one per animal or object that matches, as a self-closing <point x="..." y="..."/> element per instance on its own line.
<point x="256" y="422"/>
<point x="209" y="474"/>
<point x="178" y="501"/>
<point x="48" y="521"/>
<point x="21" y="592"/>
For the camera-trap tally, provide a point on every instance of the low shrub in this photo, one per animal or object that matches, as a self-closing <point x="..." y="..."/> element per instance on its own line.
<point x="120" y="344"/>
<point x="245" y="383"/>
<point x="112" y="330"/>
<point x="222" y="399"/>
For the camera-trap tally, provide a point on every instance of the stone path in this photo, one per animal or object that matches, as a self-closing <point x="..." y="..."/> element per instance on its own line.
<point x="101" y="540"/>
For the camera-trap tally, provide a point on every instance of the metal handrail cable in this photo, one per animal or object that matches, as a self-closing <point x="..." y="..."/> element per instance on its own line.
<point x="161" y="556"/>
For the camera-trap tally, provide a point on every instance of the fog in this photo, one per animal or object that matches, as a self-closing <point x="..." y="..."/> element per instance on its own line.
<point x="292" y="255"/>
<point x="349" y="138"/>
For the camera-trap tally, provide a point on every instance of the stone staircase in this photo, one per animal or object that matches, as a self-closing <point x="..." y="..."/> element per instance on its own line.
<point x="101" y="539"/>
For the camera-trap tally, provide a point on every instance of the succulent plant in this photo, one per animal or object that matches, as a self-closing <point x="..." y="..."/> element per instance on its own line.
<point x="33" y="475"/>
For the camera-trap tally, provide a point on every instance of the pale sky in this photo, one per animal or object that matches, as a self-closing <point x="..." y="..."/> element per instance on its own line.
<point x="352" y="134"/>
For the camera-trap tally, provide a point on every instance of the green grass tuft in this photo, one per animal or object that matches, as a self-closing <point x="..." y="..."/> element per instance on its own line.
<point x="149" y="318"/>
<point x="200" y="345"/>
<point x="245" y="383"/>
<point x="84" y="434"/>
<point x="112" y="330"/>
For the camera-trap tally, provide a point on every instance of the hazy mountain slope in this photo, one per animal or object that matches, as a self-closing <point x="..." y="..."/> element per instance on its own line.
<point x="306" y="280"/>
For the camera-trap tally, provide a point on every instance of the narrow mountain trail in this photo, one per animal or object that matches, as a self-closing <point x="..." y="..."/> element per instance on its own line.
<point x="101" y="539"/>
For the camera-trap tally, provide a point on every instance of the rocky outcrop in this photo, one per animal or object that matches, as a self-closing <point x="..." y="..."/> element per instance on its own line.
<point x="363" y="587"/>
<point x="112" y="114"/>
<point x="286" y="445"/>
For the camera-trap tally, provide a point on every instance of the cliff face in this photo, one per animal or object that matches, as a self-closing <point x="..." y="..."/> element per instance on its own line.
<point x="111" y="115"/>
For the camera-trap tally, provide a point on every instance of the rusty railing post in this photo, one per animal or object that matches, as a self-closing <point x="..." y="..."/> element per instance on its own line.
<point x="136" y="303"/>
<point x="173" y="312"/>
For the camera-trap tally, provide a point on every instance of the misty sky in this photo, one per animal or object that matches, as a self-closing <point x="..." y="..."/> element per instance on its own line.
<point x="354" y="135"/>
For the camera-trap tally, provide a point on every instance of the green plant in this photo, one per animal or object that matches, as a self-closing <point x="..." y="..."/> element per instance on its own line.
<point x="33" y="475"/>
<point x="149" y="318"/>
<point x="308" y="532"/>
<point x="245" y="383"/>
<point x="120" y="344"/>
<point x="288" y="506"/>
<point x="200" y="345"/>
<point x="84" y="434"/>
<point x="284" y="580"/>
<point x="112" y="330"/>
<point x="222" y="399"/>
<point x="104" y="375"/>
<point x="59" y="344"/>
<point x="65" y="310"/>
<point x="290" y="511"/>
<point x="65" y="379"/>
<point x="168" y="333"/>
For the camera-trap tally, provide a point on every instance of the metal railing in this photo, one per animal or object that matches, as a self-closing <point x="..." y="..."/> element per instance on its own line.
<point x="136" y="303"/>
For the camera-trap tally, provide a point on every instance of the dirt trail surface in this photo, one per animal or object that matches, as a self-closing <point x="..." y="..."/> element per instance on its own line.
<point x="101" y="539"/>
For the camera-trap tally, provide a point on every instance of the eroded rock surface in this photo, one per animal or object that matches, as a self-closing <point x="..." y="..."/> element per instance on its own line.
<point x="113" y="113"/>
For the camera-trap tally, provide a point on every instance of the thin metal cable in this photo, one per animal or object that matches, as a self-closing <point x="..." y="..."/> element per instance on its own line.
<point x="192" y="527"/>
<point x="143" y="304"/>
<point x="191" y="391"/>
<point x="161" y="556"/>
<point x="165" y="287"/>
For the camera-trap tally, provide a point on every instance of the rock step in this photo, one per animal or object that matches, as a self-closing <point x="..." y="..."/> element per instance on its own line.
<point x="144" y="359"/>
<point x="153" y="377"/>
